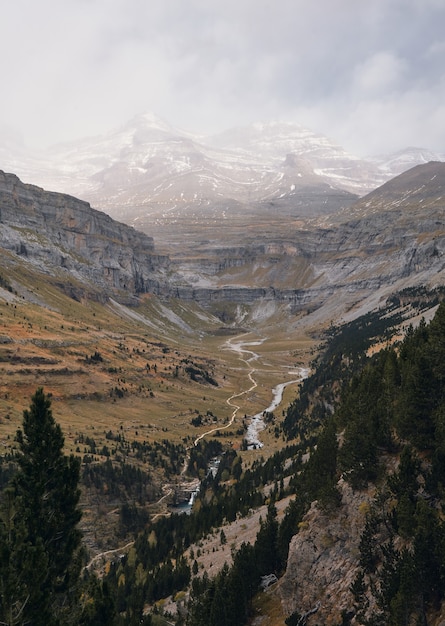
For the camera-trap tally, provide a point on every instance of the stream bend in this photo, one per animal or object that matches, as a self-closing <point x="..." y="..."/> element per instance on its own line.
<point x="256" y="425"/>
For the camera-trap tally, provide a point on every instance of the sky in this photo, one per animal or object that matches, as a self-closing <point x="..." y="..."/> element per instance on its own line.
<point x="369" y="74"/>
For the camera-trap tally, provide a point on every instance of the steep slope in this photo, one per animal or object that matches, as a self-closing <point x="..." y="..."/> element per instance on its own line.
<point x="64" y="236"/>
<point x="422" y="186"/>
<point x="324" y="559"/>
<point x="391" y="239"/>
<point x="375" y="553"/>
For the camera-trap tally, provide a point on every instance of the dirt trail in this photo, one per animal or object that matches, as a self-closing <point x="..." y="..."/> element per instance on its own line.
<point x="108" y="553"/>
<point x="257" y="424"/>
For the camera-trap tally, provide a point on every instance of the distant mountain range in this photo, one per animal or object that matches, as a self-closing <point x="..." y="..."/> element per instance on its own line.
<point x="148" y="168"/>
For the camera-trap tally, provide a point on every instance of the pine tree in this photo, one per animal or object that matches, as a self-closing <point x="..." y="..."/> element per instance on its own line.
<point x="266" y="545"/>
<point x="245" y="570"/>
<point x="418" y="400"/>
<point x="21" y="564"/>
<point x="47" y="494"/>
<point x="437" y="347"/>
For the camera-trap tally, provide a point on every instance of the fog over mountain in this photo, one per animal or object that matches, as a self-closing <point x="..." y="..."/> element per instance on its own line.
<point x="369" y="75"/>
<point x="351" y="256"/>
<point x="149" y="168"/>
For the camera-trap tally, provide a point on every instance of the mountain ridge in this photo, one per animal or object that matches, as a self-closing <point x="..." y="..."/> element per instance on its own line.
<point x="62" y="235"/>
<point x="149" y="168"/>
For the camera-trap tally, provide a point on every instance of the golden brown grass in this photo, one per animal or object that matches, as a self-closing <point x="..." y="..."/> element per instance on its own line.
<point x="139" y="384"/>
<point x="51" y="346"/>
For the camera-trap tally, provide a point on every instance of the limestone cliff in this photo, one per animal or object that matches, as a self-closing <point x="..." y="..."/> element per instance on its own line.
<point x="59" y="234"/>
<point x="392" y="239"/>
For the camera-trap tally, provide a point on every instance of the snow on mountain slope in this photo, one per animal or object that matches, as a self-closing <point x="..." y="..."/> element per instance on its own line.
<point x="404" y="160"/>
<point x="329" y="161"/>
<point x="149" y="167"/>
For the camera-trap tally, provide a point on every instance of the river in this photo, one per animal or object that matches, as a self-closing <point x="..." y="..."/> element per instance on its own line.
<point x="256" y="422"/>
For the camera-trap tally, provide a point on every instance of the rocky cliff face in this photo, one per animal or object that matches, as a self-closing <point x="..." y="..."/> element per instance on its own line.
<point x="58" y="233"/>
<point x="324" y="559"/>
<point x="391" y="239"/>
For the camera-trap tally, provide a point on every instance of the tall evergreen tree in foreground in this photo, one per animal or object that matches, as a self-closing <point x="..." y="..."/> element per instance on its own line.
<point x="38" y="527"/>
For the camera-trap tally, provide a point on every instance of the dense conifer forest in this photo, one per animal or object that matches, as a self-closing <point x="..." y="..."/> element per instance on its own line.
<point x="370" y="420"/>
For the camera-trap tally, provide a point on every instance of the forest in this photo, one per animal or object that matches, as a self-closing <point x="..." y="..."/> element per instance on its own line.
<point x="370" y="420"/>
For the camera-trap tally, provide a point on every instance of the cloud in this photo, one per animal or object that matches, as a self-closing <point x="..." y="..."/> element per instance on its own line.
<point x="380" y="74"/>
<point x="82" y="67"/>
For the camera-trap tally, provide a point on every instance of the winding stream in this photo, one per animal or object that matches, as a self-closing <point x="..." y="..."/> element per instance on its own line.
<point x="257" y="424"/>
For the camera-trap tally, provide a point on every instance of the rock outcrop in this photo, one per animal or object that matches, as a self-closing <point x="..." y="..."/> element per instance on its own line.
<point x="392" y="239"/>
<point x="323" y="560"/>
<point x="59" y="234"/>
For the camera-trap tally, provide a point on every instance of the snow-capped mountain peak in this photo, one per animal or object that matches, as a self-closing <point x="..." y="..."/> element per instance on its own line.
<point x="147" y="163"/>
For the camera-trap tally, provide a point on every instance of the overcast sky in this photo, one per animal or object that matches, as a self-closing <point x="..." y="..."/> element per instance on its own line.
<point x="370" y="74"/>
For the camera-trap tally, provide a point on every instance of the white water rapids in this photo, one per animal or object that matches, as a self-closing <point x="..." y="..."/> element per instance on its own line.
<point x="257" y="424"/>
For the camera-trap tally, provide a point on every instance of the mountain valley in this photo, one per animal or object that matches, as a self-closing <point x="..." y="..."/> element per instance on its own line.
<point x="159" y="336"/>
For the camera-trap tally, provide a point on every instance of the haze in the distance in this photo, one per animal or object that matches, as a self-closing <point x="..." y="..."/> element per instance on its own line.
<point x="370" y="75"/>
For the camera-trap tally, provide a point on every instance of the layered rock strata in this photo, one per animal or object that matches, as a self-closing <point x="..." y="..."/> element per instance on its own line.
<point x="59" y="233"/>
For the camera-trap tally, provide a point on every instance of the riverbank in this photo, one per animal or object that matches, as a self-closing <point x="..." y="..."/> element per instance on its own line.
<point x="257" y="423"/>
<point x="249" y="357"/>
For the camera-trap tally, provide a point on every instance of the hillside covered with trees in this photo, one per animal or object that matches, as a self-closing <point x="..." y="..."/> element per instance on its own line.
<point x="372" y="421"/>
